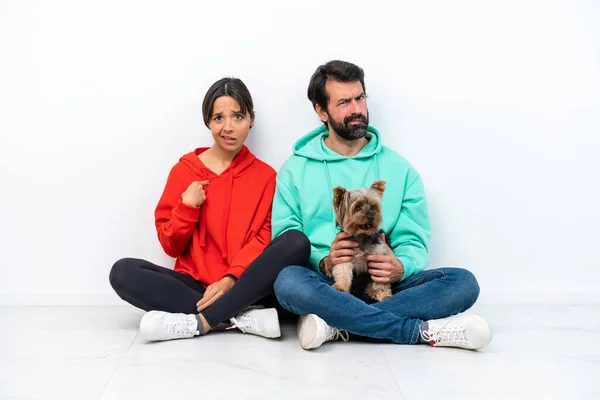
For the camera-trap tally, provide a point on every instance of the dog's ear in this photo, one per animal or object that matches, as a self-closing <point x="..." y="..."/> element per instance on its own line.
<point x="378" y="186"/>
<point x="338" y="196"/>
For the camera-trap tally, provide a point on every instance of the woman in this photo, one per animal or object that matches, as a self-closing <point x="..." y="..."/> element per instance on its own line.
<point x="214" y="217"/>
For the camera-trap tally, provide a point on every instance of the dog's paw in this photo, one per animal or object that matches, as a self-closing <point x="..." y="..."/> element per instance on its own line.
<point x="340" y="287"/>
<point x="379" y="291"/>
<point x="383" y="296"/>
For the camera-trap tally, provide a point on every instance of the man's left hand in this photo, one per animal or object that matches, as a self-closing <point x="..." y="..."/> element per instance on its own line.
<point x="385" y="268"/>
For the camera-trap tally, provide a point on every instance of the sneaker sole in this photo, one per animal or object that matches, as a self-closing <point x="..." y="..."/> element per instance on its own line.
<point x="272" y="329"/>
<point x="486" y="338"/>
<point x="308" y="332"/>
<point x="145" y="324"/>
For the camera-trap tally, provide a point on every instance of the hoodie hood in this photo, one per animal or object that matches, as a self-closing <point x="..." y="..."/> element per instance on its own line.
<point x="312" y="146"/>
<point x="238" y="167"/>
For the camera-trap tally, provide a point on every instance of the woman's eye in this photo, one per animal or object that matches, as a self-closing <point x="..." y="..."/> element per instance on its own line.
<point x="217" y="118"/>
<point x="239" y="117"/>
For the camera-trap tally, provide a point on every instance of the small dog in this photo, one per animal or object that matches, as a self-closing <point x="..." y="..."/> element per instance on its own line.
<point x="358" y="213"/>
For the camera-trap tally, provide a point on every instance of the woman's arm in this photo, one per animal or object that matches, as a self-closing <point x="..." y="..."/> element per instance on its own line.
<point x="174" y="219"/>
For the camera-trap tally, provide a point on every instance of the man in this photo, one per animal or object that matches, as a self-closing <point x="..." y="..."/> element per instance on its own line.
<point x="347" y="152"/>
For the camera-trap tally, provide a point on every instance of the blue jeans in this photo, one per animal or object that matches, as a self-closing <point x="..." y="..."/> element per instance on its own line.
<point x="430" y="294"/>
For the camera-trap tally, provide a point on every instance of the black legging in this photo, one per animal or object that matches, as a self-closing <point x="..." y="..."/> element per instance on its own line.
<point x="150" y="287"/>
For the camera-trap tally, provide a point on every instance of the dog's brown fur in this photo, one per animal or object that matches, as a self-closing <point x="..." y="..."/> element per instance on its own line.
<point x="359" y="213"/>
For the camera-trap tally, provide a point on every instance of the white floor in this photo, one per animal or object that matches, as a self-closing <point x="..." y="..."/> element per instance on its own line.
<point x="81" y="353"/>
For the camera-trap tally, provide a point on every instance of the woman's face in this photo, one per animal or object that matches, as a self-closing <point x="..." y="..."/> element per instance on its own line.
<point x="228" y="125"/>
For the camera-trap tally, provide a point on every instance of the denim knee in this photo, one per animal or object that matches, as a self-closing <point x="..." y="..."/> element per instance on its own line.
<point x="290" y="287"/>
<point x="285" y="285"/>
<point x="467" y="286"/>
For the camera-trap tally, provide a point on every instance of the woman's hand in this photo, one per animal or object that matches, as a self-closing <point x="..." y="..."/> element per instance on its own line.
<point x="214" y="291"/>
<point x="194" y="195"/>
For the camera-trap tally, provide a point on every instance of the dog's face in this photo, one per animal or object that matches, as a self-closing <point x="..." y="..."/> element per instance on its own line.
<point x="358" y="212"/>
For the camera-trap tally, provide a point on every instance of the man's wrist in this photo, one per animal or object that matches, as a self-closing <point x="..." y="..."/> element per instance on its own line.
<point x="322" y="264"/>
<point x="325" y="265"/>
<point x="401" y="268"/>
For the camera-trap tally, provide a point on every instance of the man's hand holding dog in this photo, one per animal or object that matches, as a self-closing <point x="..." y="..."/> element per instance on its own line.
<point x="385" y="268"/>
<point x="341" y="250"/>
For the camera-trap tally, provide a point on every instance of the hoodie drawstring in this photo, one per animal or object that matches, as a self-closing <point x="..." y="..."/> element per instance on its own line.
<point x="227" y="209"/>
<point x="376" y="166"/>
<point x="202" y="219"/>
<point x="202" y="226"/>
<point x="328" y="177"/>
<point x="226" y="212"/>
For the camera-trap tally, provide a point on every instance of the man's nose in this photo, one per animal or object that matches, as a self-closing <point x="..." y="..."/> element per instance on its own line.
<point x="355" y="107"/>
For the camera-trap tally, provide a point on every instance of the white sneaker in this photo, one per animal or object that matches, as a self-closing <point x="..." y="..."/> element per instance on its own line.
<point x="313" y="332"/>
<point x="261" y="322"/>
<point x="467" y="331"/>
<point x="160" y="325"/>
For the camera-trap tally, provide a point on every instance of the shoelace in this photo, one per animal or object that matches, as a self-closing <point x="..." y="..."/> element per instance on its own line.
<point x="244" y="324"/>
<point x="181" y="326"/>
<point x="334" y="333"/>
<point x="448" y="334"/>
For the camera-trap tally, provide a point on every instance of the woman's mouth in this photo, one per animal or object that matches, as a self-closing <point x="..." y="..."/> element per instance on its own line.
<point x="229" y="139"/>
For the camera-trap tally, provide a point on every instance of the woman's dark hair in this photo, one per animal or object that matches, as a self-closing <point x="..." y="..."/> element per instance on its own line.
<point x="336" y="70"/>
<point x="232" y="87"/>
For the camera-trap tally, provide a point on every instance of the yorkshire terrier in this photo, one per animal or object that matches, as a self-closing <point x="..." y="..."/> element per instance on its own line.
<point x="358" y="213"/>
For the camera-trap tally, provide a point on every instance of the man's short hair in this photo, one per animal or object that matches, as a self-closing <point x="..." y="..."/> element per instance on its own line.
<point x="336" y="70"/>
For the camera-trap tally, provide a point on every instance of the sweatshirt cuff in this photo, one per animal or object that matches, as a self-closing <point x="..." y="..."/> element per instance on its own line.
<point x="315" y="258"/>
<point x="236" y="271"/>
<point x="407" y="263"/>
<point x="185" y="212"/>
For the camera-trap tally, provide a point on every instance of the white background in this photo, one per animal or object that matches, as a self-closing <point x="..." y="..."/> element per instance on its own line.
<point x="496" y="104"/>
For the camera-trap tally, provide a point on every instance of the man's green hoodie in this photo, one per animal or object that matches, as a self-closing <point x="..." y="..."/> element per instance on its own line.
<point x="304" y="196"/>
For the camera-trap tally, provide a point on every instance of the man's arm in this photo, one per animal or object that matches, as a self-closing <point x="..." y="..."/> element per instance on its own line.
<point x="287" y="214"/>
<point x="409" y="238"/>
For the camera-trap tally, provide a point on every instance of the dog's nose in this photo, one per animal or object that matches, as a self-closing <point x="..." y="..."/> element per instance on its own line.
<point x="370" y="217"/>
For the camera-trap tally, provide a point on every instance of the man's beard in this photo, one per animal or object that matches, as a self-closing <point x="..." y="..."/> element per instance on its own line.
<point x="350" y="132"/>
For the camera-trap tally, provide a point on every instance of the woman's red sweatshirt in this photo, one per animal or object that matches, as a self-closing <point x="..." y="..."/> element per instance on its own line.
<point x="230" y="229"/>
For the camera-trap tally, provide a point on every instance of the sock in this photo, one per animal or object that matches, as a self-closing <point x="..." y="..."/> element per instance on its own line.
<point x="423" y="328"/>
<point x="200" y="326"/>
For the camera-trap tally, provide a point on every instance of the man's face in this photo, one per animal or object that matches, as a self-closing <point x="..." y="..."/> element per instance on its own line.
<point x="347" y="112"/>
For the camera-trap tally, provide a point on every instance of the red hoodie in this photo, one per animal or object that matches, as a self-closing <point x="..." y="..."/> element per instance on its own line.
<point x="230" y="229"/>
